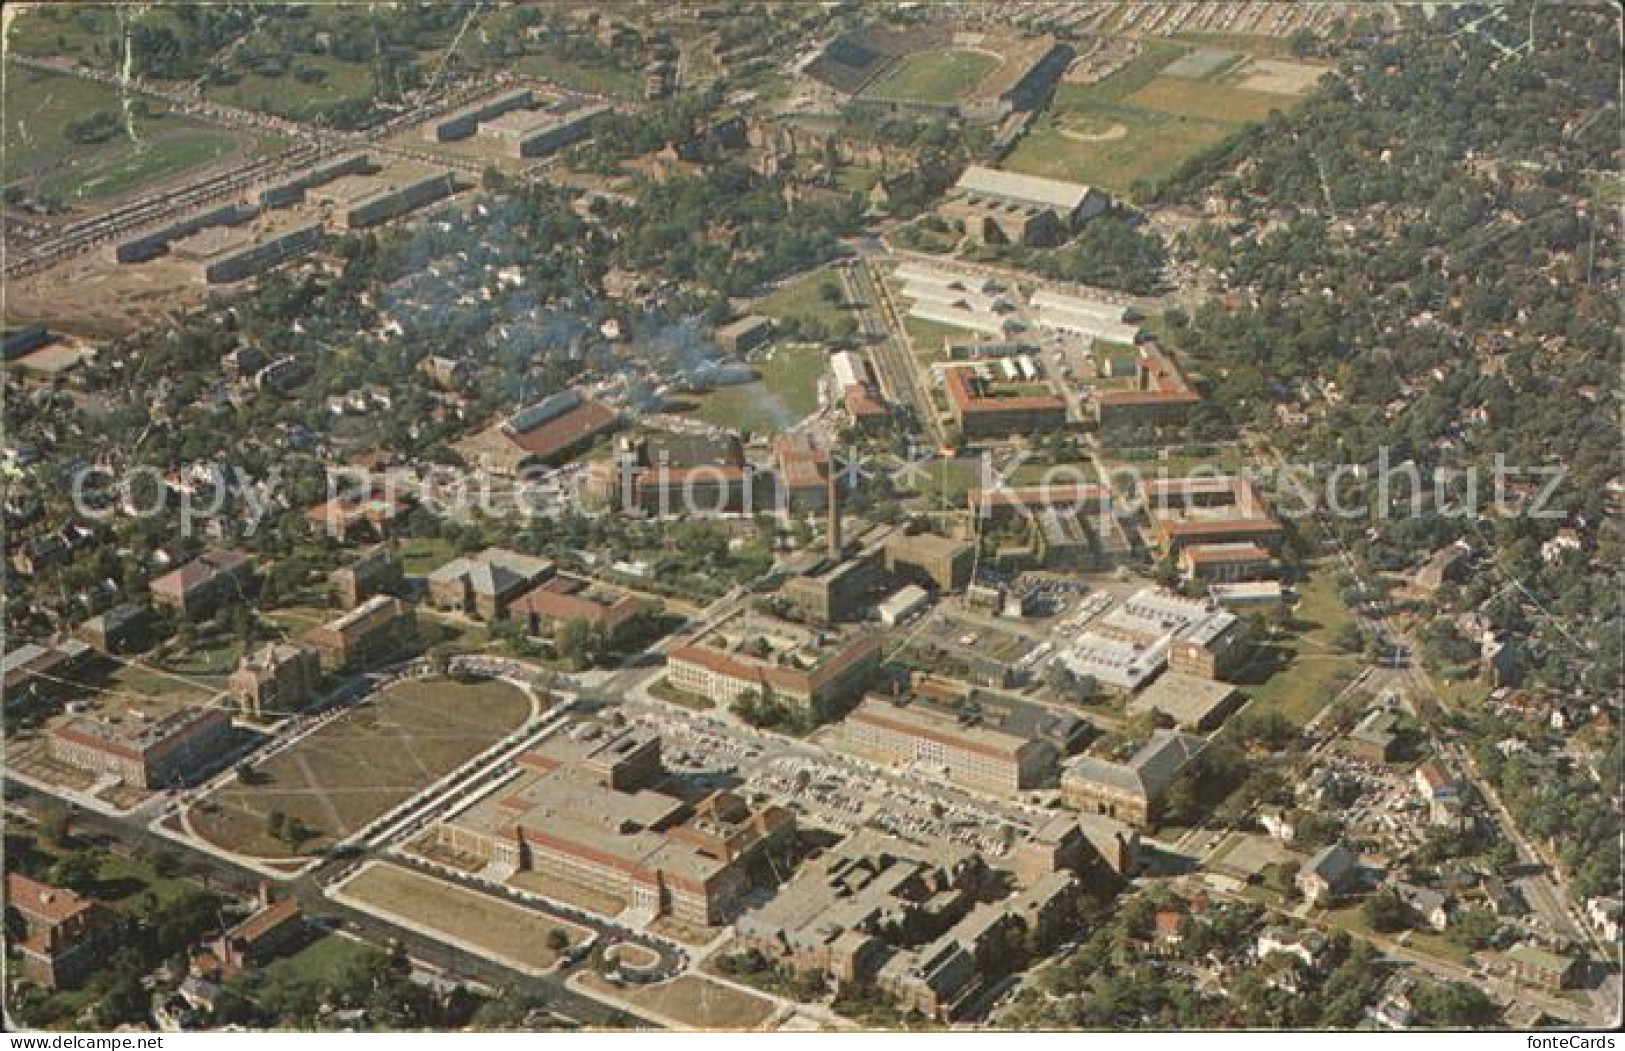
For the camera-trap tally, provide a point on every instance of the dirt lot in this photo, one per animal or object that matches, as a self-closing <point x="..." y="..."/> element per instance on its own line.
<point x="367" y="761"/>
<point x="509" y="933"/>
<point x="688" y="1000"/>
<point x="1278" y="77"/>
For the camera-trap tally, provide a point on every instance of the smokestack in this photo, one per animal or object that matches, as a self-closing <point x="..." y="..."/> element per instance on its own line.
<point x="834" y="501"/>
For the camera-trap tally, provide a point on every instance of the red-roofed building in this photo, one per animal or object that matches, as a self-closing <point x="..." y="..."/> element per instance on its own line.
<point x="814" y="673"/>
<point x="564" y="598"/>
<point x="984" y="412"/>
<point x="66" y="936"/>
<point x="803" y="472"/>
<point x="1162" y="395"/>
<point x="205" y="583"/>
<point x="352" y="516"/>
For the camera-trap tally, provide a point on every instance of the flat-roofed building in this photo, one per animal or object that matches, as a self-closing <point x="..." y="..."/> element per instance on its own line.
<point x="526" y="133"/>
<point x="380" y="627"/>
<point x="1132" y="791"/>
<point x="463" y="123"/>
<point x="803" y="472"/>
<point x="940" y="562"/>
<point x="907" y="601"/>
<point x="144" y="752"/>
<point x="226" y="254"/>
<point x="403" y="193"/>
<point x="277" y="678"/>
<point x="1226" y="563"/>
<point x="1223" y="512"/>
<point x="561" y="599"/>
<point x="1211" y="648"/>
<point x="855" y="383"/>
<point x="37" y="672"/>
<point x="835" y="915"/>
<point x="813" y="673"/>
<point x="1161" y="395"/>
<point x="1011" y="208"/>
<point x="745" y="334"/>
<point x="125" y="628"/>
<point x="1193" y="702"/>
<point x="203" y="585"/>
<point x="984" y="742"/>
<point x="589" y="810"/>
<point x="985" y="410"/>
<point x="378" y="572"/>
<point x="835" y="590"/>
<point x="1031" y="501"/>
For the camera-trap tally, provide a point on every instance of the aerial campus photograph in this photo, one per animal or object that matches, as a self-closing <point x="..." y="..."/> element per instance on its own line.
<point x="856" y="517"/>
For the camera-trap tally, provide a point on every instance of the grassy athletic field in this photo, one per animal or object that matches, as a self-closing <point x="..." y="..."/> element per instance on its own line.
<point x="934" y="76"/>
<point x="1143" y="121"/>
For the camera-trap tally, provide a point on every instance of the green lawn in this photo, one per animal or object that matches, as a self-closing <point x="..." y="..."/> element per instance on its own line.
<point x="1348" y="918"/>
<point x="324" y="960"/>
<point x="928" y="336"/>
<point x="947" y="481"/>
<point x="289" y="96"/>
<point x="577" y="76"/>
<point x="1137" y="124"/>
<point x="1311" y="667"/>
<point x="802" y="299"/>
<point x="420" y="555"/>
<point x="1110" y="146"/>
<point x="40" y="107"/>
<point x="786" y="391"/>
<point x="934" y="76"/>
<point x="147" y="162"/>
<point x="1208" y="101"/>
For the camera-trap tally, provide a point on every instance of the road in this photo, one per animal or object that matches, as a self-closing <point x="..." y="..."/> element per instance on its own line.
<point x="224" y="876"/>
<point x="1546" y="890"/>
<point x="883" y="331"/>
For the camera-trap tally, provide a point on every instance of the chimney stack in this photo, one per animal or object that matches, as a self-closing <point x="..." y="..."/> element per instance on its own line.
<point x="834" y="501"/>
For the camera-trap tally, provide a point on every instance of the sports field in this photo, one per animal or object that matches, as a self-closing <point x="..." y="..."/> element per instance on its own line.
<point x="1169" y="104"/>
<point x="367" y="761"/>
<point x="934" y="76"/>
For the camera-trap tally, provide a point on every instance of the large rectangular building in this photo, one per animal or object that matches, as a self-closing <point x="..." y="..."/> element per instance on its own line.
<point x="1161" y="395"/>
<point x="235" y="255"/>
<point x="464" y="122"/>
<point x="407" y="194"/>
<point x="380" y="626"/>
<point x="144" y="752"/>
<point x="536" y="133"/>
<point x="590" y="810"/>
<point x="1132" y="791"/>
<point x="204" y="584"/>
<point x="1009" y="208"/>
<point x="984" y="410"/>
<point x="982" y="742"/>
<point x="811" y="672"/>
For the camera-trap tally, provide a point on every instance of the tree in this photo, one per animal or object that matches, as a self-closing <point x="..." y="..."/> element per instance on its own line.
<point x="76" y="871"/>
<point x="1385" y="912"/>
<point x="572" y="641"/>
<point x="557" y="940"/>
